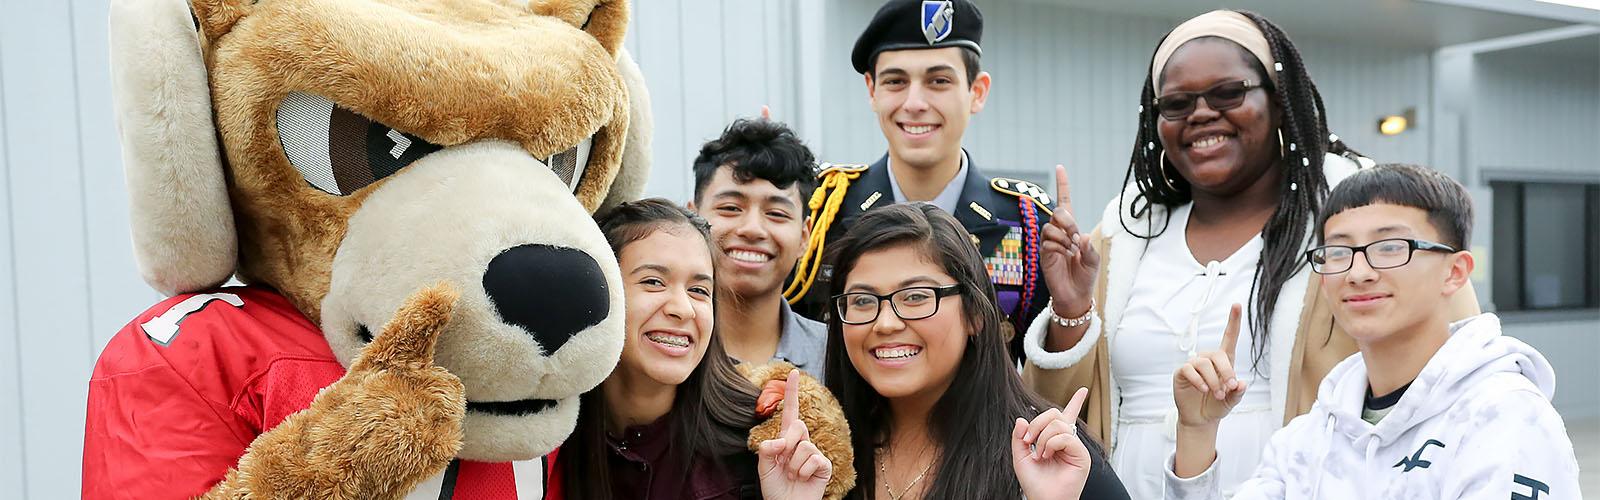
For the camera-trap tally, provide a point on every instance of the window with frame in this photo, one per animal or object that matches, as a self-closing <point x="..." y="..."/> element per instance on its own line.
<point x="1546" y="253"/>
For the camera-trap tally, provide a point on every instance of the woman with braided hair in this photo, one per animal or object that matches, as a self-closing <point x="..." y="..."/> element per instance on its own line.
<point x="1232" y="160"/>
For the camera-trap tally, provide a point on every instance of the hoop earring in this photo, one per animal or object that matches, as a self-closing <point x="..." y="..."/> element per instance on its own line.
<point x="1293" y="186"/>
<point x="1161" y="168"/>
<point x="1281" y="154"/>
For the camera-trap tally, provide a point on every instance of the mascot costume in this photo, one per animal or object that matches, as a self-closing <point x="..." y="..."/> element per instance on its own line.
<point x="406" y="189"/>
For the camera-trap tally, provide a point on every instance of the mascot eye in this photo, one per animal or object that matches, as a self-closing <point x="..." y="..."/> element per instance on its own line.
<point x="339" y="151"/>
<point x="569" y="164"/>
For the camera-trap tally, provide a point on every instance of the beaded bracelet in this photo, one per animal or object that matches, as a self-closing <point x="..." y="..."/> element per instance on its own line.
<point x="1071" y="322"/>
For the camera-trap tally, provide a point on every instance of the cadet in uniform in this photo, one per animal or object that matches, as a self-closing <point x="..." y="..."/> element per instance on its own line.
<point x="920" y="62"/>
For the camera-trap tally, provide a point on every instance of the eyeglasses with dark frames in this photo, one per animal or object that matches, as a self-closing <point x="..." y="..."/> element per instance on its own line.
<point x="1220" y="97"/>
<point x="909" y="303"/>
<point x="1382" y="254"/>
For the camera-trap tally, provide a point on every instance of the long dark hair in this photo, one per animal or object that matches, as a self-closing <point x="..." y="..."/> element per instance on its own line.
<point x="714" y="409"/>
<point x="975" y="414"/>
<point x="1304" y="126"/>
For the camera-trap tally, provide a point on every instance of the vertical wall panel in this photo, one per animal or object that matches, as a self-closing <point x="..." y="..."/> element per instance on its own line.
<point x="1361" y="84"/>
<point x="747" y="43"/>
<point x="1066" y="90"/>
<point x="851" y="129"/>
<point x="1537" y="115"/>
<point x="776" y="68"/>
<point x="781" y="61"/>
<point x="703" y="86"/>
<point x="1570" y="346"/>
<point x="740" y="54"/>
<point x="992" y="125"/>
<point x="707" y="63"/>
<point x="1545" y="124"/>
<point x="657" y="25"/>
<point x="12" y="448"/>
<point x="116" y="292"/>
<point x="48" y="241"/>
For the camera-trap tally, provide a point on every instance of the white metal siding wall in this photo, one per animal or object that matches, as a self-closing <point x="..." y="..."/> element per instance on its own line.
<point x="1361" y="83"/>
<point x="67" y="275"/>
<point x="66" y="260"/>
<point x="1571" y="347"/>
<point x="707" y="63"/>
<point x="1541" y="123"/>
<point x="1537" y="116"/>
<point x="1066" y="90"/>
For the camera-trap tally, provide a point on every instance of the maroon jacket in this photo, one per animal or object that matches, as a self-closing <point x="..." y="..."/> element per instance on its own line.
<point x="643" y="466"/>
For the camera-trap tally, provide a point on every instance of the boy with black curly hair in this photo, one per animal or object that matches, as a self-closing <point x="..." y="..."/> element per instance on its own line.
<point x="752" y="184"/>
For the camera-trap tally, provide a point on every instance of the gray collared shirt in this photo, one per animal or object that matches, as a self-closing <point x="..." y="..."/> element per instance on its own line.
<point x="947" y="199"/>
<point x="802" y="342"/>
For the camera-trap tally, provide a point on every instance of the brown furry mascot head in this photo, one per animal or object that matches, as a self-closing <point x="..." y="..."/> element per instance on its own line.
<point x="349" y="154"/>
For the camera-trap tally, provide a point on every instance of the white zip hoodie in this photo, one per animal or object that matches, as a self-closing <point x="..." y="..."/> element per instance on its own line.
<point x="1476" y="423"/>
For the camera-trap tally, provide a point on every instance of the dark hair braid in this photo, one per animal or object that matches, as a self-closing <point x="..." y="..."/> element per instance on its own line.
<point x="1303" y="126"/>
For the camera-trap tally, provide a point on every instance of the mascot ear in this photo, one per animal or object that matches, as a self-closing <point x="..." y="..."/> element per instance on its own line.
<point x="217" y="17"/>
<point x="635" y="170"/>
<point x="183" y="232"/>
<point x="605" y="20"/>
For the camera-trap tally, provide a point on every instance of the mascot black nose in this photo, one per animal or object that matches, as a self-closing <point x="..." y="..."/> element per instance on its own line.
<point x="551" y="292"/>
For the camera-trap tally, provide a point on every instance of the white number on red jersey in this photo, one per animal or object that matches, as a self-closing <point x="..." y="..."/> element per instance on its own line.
<point x="164" y="327"/>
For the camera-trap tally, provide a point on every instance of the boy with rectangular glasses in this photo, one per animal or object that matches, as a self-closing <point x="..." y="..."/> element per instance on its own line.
<point x="1428" y="408"/>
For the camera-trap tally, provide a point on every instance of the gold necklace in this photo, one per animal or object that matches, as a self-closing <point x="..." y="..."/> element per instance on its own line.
<point x="883" y="469"/>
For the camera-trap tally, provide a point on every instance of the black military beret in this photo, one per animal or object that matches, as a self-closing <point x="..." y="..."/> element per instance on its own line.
<point x="918" y="24"/>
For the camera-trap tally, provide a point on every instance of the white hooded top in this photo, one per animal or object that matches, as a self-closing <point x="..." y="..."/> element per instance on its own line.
<point x="1476" y="423"/>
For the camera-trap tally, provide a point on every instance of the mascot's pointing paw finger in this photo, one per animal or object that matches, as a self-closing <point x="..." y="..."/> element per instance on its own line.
<point x="406" y="189"/>
<point x="421" y="418"/>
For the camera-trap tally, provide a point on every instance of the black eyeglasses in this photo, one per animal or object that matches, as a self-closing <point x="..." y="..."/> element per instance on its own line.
<point x="1220" y="97"/>
<point x="1381" y="254"/>
<point x="916" y="302"/>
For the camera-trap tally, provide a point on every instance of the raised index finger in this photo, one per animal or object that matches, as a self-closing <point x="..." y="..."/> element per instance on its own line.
<point x="1063" y="190"/>
<point x="409" y="337"/>
<point x="1076" y="404"/>
<point x="791" y="401"/>
<point x="1230" y="335"/>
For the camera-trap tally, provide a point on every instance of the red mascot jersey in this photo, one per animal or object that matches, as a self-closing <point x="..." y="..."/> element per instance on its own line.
<point x="181" y="391"/>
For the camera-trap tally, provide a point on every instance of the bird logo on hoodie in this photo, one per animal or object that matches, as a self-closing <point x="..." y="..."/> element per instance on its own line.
<point x="1415" y="460"/>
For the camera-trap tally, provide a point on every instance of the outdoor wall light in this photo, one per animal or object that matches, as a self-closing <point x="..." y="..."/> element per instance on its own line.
<point x="1395" y="124"/>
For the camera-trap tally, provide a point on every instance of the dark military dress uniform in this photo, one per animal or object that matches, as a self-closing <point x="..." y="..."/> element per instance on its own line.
<point x="1004" y="217"/>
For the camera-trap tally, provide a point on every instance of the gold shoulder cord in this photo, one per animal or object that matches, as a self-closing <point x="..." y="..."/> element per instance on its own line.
<point x="824" y="207"/>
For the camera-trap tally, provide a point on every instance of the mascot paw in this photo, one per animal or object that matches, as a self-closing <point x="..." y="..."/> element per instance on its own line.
<point x="818" y="409"/>
<point x="391" y="422"/>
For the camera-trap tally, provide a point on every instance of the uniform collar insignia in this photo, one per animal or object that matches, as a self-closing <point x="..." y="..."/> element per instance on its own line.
<point x="871" y="199"/>
<point x="981" y="211"/>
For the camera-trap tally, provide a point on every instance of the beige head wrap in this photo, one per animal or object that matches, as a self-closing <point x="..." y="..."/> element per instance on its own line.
<point x="1225" y="24"/>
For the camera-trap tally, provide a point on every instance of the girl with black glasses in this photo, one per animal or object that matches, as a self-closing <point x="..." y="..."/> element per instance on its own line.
<point x="916" y="357"/>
